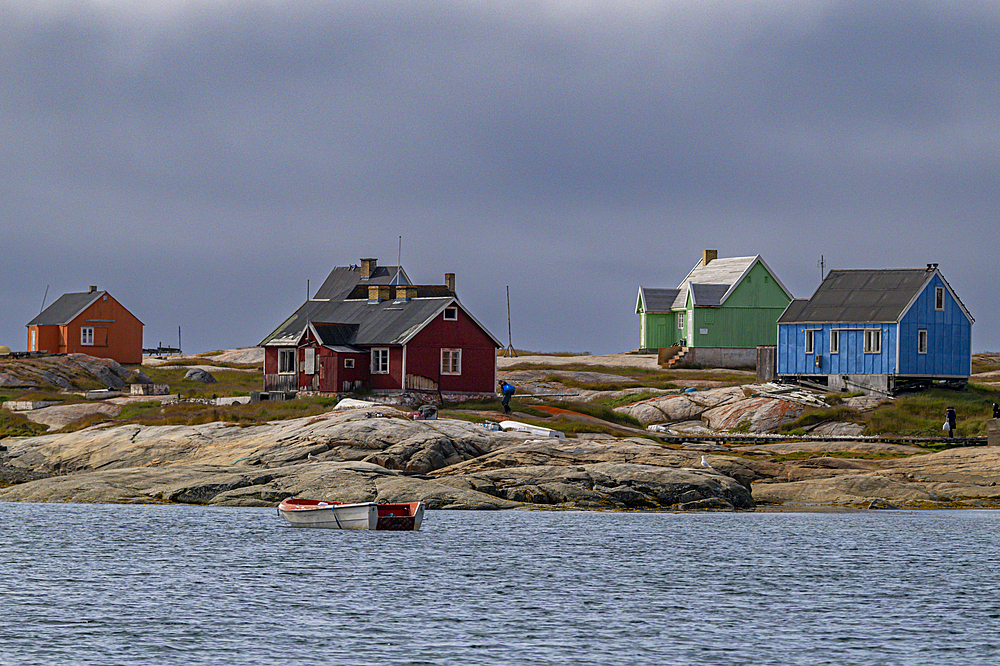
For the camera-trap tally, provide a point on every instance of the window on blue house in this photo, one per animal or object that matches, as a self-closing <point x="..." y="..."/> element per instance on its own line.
<point x="810" y="341"/>
<point x="873" y="341"/>
<point x="834" y="342"/>
<point x="939" y="298"/>
<point x="922" y="341"/>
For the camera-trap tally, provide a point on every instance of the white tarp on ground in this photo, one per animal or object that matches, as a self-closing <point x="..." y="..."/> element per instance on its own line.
<point x="351" y="403"/>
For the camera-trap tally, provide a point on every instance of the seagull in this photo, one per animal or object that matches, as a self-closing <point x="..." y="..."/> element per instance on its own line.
<point x="704" y="463"/>
<point x="313" y="458"/>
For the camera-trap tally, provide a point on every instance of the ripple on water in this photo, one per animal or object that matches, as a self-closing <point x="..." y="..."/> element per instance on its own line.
<point x="93" y="584"/>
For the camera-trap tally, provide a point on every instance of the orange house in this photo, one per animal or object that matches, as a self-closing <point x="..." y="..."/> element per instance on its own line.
<point x="92" y="323"/>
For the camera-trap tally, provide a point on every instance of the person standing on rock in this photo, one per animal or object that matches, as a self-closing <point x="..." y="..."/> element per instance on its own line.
<point x="996" y="411"/>
<point x="952" y="420"/>
<point x="506" y="390"/>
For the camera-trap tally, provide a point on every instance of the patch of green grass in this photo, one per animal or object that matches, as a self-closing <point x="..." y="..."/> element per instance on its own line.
<point x="228" y="382"/>
<point x="742" y="427"/>
<point x="603" y="412"/>
<point x="631" y="398"/>
<point x="913" y="415"/>
<point x="13" y="424"/>
<point x="849" y="455"/>
<point x="985" y="362"/>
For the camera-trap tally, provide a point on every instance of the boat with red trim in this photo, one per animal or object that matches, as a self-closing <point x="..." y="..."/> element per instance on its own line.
<point x="400" y="516"/>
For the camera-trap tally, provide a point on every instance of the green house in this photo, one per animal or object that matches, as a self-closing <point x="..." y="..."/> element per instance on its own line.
<point x="720" y="311"/>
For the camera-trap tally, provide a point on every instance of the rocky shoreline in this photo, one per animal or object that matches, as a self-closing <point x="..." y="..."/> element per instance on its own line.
<point x="366" y="455"/>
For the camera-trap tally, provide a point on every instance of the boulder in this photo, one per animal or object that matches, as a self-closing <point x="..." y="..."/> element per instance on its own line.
<point x="140" y="377"/>
<point x="760" y="414"/>
<point x="683" y="407"/>
<point x="60" y="416"/>
<point x="199" y="375"/>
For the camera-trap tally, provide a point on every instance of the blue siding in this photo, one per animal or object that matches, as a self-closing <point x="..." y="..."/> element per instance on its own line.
<point x="949" y="343"/>
<point x="949" y="336"/>
<point x="850" y="359"/>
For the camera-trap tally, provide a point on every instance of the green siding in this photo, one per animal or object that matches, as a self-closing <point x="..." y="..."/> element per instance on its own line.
<point x="758" y="290"/>
<point x="740" y="328"/>
<point x="748" y="318"/>
<point x="661" y="330"/>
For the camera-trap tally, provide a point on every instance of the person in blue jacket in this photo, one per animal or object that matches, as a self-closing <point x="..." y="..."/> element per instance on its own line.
<point x="506" y="390"/>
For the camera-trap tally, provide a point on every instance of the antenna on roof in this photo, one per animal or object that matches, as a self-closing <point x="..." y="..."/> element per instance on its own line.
<point x="43" y="299"/>
<point x="510" y="345"/>
<point x="822" y="268"/>
<point x="399" y="264"/>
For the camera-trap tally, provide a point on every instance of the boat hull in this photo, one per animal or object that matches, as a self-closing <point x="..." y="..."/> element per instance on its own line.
<point x="299" y="512"/>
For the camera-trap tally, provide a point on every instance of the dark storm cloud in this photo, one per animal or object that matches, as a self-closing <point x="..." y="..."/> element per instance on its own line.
<point x="572" y="150"/>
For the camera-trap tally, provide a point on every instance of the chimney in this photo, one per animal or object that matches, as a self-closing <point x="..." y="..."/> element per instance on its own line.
<point x="708" y="256"/>
<point x="449" y="281"/>
<point x="93" y="288"/>
<point x="931" y="268"/>
<point x="368" y="267"/>
<point x="405" y="292"/>
<point x="378" y="293"/>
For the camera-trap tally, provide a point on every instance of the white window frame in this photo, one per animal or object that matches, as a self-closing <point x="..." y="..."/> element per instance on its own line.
<point x="87" y="336"/>
<point x="286" y="366"/>
<point x="921" y="340"/>
<point x="939" y="298"/>
<point x="451" y="361"/>
<point x="873" y="340"/>
<point x="834" y="341"/>
<point x="348" y="363"/>
<point x="680" y="320"/>
<point x="450" y="313"/>
<point x="33" y="345"/>
<point x="810" y="342"/>
<point x="380" y="360"/>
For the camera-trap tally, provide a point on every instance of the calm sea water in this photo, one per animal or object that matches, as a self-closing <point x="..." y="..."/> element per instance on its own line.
<point x="95" y="584"/>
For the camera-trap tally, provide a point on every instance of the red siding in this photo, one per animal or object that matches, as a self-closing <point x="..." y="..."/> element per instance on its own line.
<point x="479" y="354"/>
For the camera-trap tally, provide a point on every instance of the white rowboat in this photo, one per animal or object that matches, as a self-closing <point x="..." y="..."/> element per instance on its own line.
<point x="301" y="512"/>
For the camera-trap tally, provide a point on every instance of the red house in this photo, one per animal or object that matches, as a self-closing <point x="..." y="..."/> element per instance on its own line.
<point x="91" y="322"/>
<point x="367" y="326"/>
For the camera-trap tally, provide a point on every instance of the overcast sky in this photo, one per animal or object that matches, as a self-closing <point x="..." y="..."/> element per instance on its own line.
<point x="203" y="160"/>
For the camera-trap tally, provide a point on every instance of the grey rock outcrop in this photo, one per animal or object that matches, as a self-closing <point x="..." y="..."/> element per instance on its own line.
<point x="200" y="375"/>
<point x="680" y="407"/>
<point x="347" y="455"/>
<point x="760" y="414"/>
<point x="62" y="371"/>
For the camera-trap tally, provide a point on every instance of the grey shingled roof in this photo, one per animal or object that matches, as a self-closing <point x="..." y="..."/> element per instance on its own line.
<point x="708" y="294"/>
<point x="657" y="300"/>
<point x="862" y="296"/>
<point x="718" y="277"/>
<point x="389" y="322"/>
<point x="65" y="309"/>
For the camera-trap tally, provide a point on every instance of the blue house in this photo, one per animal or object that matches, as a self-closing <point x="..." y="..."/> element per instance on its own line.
<point x="877" y="331"/>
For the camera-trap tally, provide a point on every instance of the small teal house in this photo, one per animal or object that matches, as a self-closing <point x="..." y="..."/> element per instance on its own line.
<point x="877" y="331"/>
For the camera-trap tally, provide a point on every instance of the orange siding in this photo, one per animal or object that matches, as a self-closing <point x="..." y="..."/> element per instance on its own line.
<point x="48" y="339"/>
<point x="117" y="332"/>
